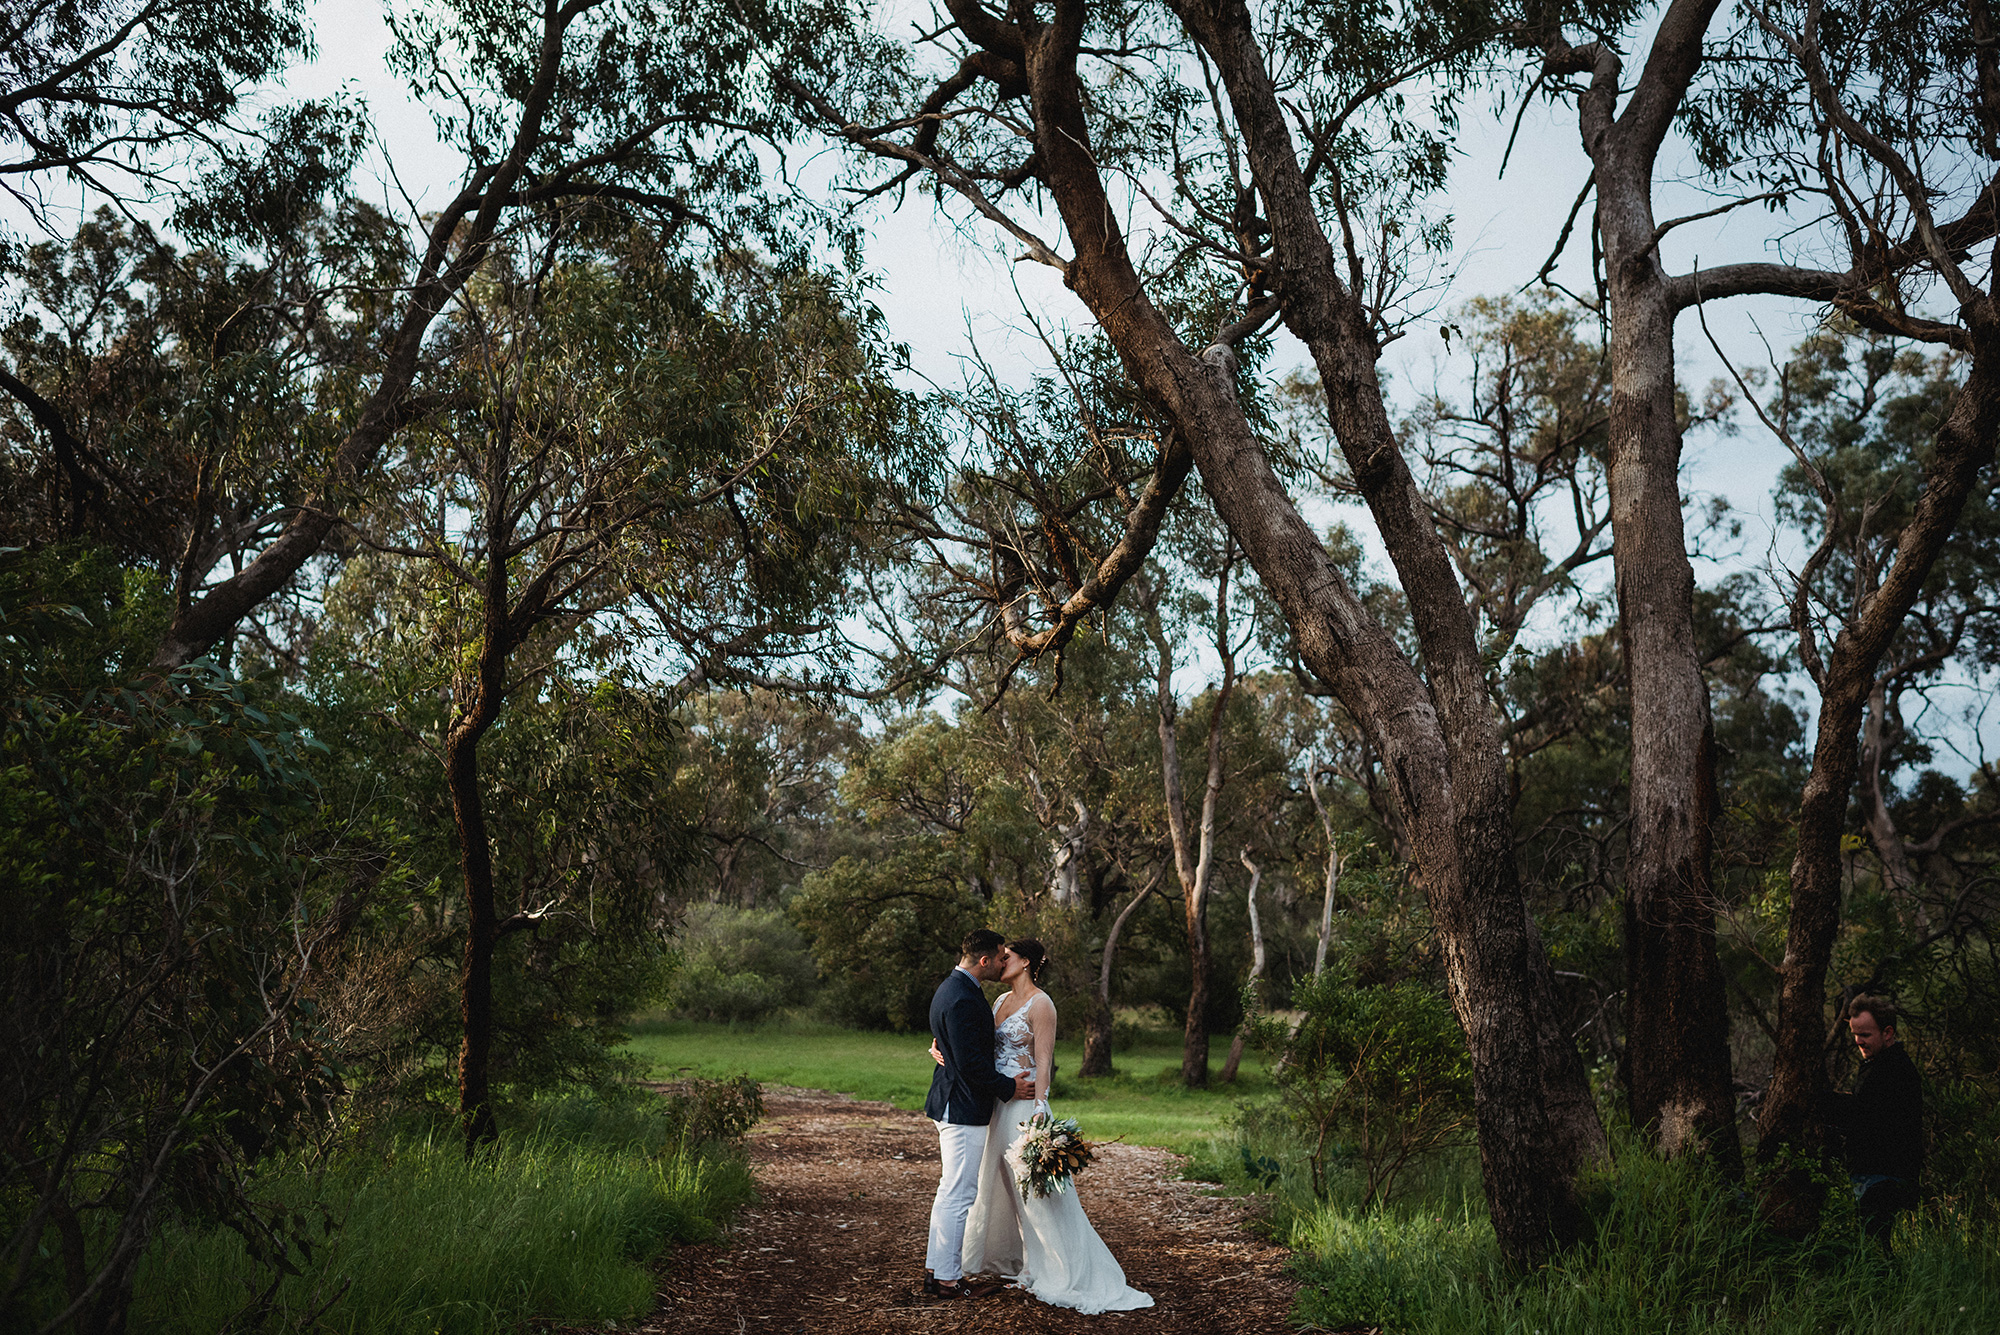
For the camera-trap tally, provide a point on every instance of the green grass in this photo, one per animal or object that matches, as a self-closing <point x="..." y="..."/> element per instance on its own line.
<point x="557" y="1224"/>
<point x="1142" y="1101"/>
<point x="1672" y="1253"/>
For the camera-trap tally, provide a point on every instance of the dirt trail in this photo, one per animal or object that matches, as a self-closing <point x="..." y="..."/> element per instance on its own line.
<point x="836" y="1245"/>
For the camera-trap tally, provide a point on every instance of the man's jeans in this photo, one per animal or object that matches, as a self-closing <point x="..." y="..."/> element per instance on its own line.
<point x="960" y="1149"/>
<point x="1877" y="1198"/>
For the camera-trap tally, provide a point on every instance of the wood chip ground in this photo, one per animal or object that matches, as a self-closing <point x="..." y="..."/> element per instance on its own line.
<point x="835" y="1246"/>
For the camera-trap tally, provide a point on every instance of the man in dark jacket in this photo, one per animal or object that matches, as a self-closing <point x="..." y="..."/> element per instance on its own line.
<point x="963" y="1090"/>
<point x="1882" y="1122"/>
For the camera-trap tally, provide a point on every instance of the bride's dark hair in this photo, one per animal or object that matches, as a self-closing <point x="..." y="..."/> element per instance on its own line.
<point x="1034" y="953"/>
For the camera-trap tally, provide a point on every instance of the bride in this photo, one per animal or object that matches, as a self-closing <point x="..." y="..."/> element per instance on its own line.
<point x="1044" y="1244"/>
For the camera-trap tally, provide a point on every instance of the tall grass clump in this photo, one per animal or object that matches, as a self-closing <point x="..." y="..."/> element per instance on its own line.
<point x="558" y="1223"/>
<point x="1670" y="1249"/>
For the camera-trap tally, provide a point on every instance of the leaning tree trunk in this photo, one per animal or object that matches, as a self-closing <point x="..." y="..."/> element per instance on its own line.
<point x="1256" y="968"/>
<point x="1436" y="732"/>
<point x="1532" y="1139"/>
<point x="1332" y="869"/>
<point x="1438" y="735"/>
<point x="1965" y="446"/>
<point x="1097" y="1027"/>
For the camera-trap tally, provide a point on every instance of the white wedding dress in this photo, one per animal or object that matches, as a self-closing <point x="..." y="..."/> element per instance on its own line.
<point x="1045" y="1243"/>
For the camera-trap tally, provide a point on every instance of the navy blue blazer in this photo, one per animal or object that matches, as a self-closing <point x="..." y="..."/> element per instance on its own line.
<point x="964" y="1089"/>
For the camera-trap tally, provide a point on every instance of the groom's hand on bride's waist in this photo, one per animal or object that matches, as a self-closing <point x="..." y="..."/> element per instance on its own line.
<point x="1024" y="1087"/>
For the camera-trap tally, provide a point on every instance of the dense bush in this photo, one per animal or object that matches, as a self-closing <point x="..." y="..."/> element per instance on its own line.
<point x="167" y="882"/>
<point x="703" y="1111"/>
<point x="739" y="965"/>
<point x="1378" y="1073"/>
<point x="884" y="932"/>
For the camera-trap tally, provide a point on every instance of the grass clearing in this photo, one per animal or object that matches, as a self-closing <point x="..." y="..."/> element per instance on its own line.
<point x="558" y="1223"/>
<point x="1143" y="1100"/>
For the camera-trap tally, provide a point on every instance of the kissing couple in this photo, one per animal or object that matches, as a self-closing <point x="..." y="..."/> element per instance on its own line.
<point x="993" y="1073"/>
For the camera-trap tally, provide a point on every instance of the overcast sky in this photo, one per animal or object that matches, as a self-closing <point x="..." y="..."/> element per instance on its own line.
<point x="937" y="281"/>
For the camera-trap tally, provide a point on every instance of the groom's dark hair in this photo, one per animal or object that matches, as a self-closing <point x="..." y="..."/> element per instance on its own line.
<point x="981" y="943"/>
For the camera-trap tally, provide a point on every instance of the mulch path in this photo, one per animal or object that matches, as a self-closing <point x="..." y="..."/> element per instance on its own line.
<point x="836" y="1244"/>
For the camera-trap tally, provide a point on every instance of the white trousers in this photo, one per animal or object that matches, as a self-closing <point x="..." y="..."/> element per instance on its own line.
<point x="959" y="1151"/>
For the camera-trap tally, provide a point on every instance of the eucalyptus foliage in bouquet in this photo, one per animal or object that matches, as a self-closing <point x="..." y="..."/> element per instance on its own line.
<point x="1048" y="1154"/>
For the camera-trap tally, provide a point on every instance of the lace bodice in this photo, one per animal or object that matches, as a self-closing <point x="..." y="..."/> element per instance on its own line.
<point x="1014" y="1043"/>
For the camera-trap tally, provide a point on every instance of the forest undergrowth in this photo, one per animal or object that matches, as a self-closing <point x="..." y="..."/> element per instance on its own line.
<point x="1669" y="1249"/>
<point x="561" y="1221"/>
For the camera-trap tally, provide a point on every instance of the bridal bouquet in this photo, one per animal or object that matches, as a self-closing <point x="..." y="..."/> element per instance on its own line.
<point x="1048" y="1154"/>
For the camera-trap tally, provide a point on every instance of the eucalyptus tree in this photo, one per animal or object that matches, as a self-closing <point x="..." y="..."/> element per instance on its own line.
<point x="1087" y="106"/>
<point x="1857" y="410"/>
<point x="1846" y="106"/>
<point x="770" y="766"/>
<point x="119" y="96"/>
<point x="174" y="887"/>
<point x="651" y="467"/>
<point x="1837" y="112"/>
<point x="1196" y="844"/>
<point x="184" y="400"/>
<point x="1039" y="479"/>
<point x="643" y="108"/>
<point x="1892" y="456"/>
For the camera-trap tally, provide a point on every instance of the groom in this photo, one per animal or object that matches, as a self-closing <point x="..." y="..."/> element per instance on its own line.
<point x="963" y="1091"/>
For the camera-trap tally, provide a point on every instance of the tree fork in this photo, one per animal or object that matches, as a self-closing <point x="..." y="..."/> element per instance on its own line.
<point x="1529" y="1078"/>
<point x="1965" y="449"/>
<point x="1679" y="1081"/>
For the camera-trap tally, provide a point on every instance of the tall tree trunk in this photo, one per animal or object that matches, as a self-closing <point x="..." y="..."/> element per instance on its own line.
<point x="1332" y="867"/>
<point x="1677" y="1017"/>
<point x="1097" y="1028"/>
<point x="1897" y="872"/>
<point x="479" y="708"/>
<point x="1677" y="1059"/>
<point x="482" y="923"/>
<point x="1437" y="735"/>
<point x="1256" y="967"/>
<point x="1965" y="447"/>
<point x="1194" y="854"/>
<point x="1436" y="732"/>
<point x="1455" y="794"/>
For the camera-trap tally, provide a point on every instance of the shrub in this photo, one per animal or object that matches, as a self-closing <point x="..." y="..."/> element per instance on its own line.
<point x="165" y="887"/>
<point x="713" y="1110"/>
<point x="739" y="965"/>
<point x="1379" y="1072"/>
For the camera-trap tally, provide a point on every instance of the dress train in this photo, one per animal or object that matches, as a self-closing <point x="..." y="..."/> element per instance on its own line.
<point x="1045" y="1243"/>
